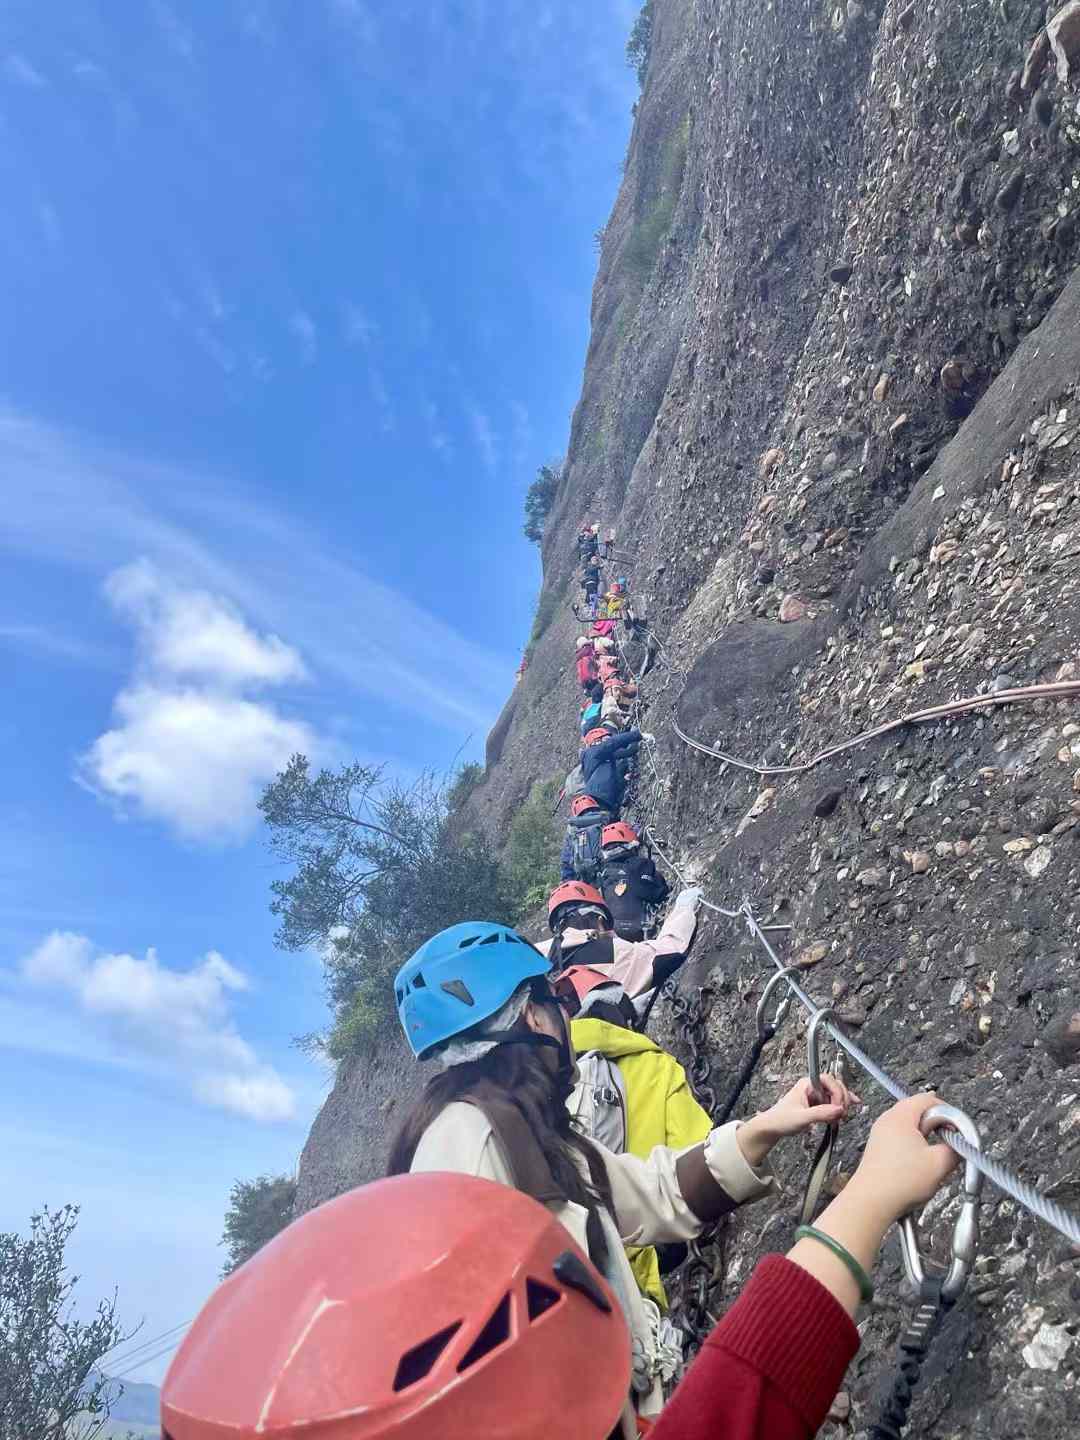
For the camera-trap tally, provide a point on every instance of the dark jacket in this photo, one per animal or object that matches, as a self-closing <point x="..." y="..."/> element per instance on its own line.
<point x="629" y="885"/>
<point x="605" y="764"/>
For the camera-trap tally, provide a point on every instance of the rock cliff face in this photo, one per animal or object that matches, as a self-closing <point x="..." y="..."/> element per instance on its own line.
<point x="831" y="409"/>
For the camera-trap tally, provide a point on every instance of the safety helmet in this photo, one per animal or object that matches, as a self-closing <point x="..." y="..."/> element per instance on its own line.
<point x="619" y="834"/>
<point x="465" y="1312"/>
<point x="583" y="640"/>
<point x="603" y="642"/>
<point x="574" y="893"/>
<point x="595" y="736"/>
<point x="460" y="977"/>
<point x="580" y="803"/>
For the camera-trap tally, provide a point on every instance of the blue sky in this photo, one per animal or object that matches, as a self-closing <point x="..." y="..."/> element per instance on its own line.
<point x="296" y="303"/>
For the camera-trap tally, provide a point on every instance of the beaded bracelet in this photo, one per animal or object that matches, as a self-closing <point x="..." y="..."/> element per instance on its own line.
<point x="859" y="1275"/>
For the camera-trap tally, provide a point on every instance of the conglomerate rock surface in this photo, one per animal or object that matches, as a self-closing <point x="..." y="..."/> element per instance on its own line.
<point x="831" y="408"/>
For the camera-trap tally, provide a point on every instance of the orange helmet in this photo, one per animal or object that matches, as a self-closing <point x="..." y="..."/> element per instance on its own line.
<point x="575" y="892"/>
<point x="577" y="981"/>
<point x="465" y="1312"/>
<point x="619" y="834"/>
<point x="595" y="736"/>
<point x="581" y="803"/>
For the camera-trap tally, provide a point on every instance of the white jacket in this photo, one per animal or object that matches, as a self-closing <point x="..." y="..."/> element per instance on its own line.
<point x="649" y="1205"/>
<point x="633" y="960"/>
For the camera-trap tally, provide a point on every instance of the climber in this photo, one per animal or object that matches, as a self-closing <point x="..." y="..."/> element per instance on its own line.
<point x="653" y="1103"/>
<point x="605" y="761"/>
<point x="587" y="542"/>
<point x="380" y="1340"/>
<point x="580" y="857"/>
<point x="590" y="583"/>
<point x="618" y="701"/>
<point x="603" y="645"/>
<point x="608" y="667"/>
<point x="603" y="628"/>
<point x="628" y="879"/>
<point x="477" y="997"/>
<point x="590" y="716"/>
<point x="586" y="662"/>
<point x="581" y="927"/>
<point x="614" y="600"/>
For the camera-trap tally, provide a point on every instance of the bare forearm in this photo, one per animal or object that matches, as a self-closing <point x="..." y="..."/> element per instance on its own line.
<point x="859" y="1226"/>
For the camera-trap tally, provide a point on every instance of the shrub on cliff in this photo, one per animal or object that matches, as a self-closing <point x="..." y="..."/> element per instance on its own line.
<point x="539" y="499"/>
<point x="532" y="850"/>
<point x="377" y="868"/>
<point x="258" y="1210"/>
<point x="639" y="45"/>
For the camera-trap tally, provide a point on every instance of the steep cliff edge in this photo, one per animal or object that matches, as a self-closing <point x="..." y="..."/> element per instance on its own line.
<point x="830" y="408"/>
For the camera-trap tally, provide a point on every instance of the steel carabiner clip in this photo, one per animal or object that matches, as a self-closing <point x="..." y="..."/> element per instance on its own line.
<point x="965" y="1240"/>
<point x="813" y="1051"/>
<point x="766" y="1027"/>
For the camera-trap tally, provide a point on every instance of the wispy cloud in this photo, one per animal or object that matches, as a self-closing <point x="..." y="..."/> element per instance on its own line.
<point x="52" y="643"/>
<point x="178" y="36"/>
<point x="305" y="334"/>
<point x="371" y="639"/>
<point x="178" y="1020"/>
<point x="190" y="746"/>
<point x="484" y="438"/>
<point x="18" y="68"/>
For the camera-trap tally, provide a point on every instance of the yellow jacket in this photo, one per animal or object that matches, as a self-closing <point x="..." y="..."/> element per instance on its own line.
<point x="660" y="1111"/>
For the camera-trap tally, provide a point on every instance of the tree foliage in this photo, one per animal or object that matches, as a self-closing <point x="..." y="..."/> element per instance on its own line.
<point x="258" y="1210"/>
<point x="532" y="851"/>
<point x="639" y="45"/>
<point x="378" y="867"/>
<point x="49" y="1386"/>
<point x="539" y="499"/>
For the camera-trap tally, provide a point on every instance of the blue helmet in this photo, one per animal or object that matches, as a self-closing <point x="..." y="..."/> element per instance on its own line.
<point x="459" y="978"/>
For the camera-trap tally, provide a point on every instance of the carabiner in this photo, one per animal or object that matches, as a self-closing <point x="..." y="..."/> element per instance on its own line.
<point x="764" y="1025"/>
<point x="965" y="1240"/>
<point x="813" y="1058"/>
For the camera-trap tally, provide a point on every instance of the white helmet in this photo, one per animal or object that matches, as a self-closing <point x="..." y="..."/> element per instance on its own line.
<point x="582" y="640"/>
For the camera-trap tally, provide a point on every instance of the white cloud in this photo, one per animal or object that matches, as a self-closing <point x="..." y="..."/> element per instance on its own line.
<point x="190" y="746"/>
<point x="484" y="436"/>
<point x="178" y="1020"/>
<point x="195" y="759"/>
<point x="191" y="633"/>
<point x="19" y="69"/>
<point x="52" y="643"/>
<point x="307" y="337"/>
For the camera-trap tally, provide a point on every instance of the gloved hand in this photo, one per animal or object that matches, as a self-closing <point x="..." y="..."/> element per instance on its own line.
<point x="690" y="898"/>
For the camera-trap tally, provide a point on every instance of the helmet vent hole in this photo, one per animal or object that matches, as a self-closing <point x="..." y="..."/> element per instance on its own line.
<point x="469" y="940"/>
<point x="419" y="983"/>
<point x="540" y="1298"/>
<point x="491" y="939"/>
<point x="495" y="1333"/>
<point x="418" y="1362"/>
<point x="459" y="990"/>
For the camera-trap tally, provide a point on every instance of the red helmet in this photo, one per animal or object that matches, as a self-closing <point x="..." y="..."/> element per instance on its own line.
<point x="575" y="892"/>
<point x="581" y="803"/>
<point x="619" y="834"/>
<point x="595" y="736"/>
<point x="577" y="981"/>
<point x="465" y="1312"/>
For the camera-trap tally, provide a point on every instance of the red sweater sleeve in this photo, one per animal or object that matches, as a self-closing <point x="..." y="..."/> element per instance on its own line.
<point x="770" y="1369"/>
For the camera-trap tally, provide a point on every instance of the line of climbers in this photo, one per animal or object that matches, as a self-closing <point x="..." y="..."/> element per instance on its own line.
<point x="507" y="1277"/>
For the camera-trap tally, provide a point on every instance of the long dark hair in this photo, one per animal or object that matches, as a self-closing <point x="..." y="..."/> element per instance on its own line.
<point x="522" y="1074"/>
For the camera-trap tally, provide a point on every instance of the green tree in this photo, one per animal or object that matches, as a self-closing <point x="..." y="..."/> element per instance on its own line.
<point x="50" y="1388"/>
<point x="639" y="45"/>
<point x="532" y="851"/>
<point x="258" y="1210"/>
<point x="539" y="499"/>
<point x="377" y="868"/>
<point x="464" y="782"/>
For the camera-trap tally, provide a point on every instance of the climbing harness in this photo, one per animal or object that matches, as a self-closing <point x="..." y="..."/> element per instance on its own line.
<point x="937" y="1294"/>
<point x="766" y="1029"/>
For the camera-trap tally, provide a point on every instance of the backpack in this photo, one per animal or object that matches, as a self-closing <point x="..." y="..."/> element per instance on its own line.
<point x="574" y="784"/>
<point x="598" y="1101"/>
<point x="586" y="852"/>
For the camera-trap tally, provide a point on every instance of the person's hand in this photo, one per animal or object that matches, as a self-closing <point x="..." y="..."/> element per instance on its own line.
<point x="690" y="898"/>
<point x="792" y="1114"/>
<point x="900" y="1168"/>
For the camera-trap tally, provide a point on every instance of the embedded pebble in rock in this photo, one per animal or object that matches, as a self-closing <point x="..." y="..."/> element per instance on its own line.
<point x="769" y="462"/>
<point x="920" y="861"/>
<point x="1049" y="1347"/>
<point x="881" y="389"/>
<point x="873" y="878"/>
<point x="1035" y="63"/>
<point x="1061" y="1038"/>
<point x="828" y="800"/>
<point x="792" y="608"/>
<point x="841" y="274"/>
<point x="840" y="1409"/>
<point x="1038" y="860"/>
